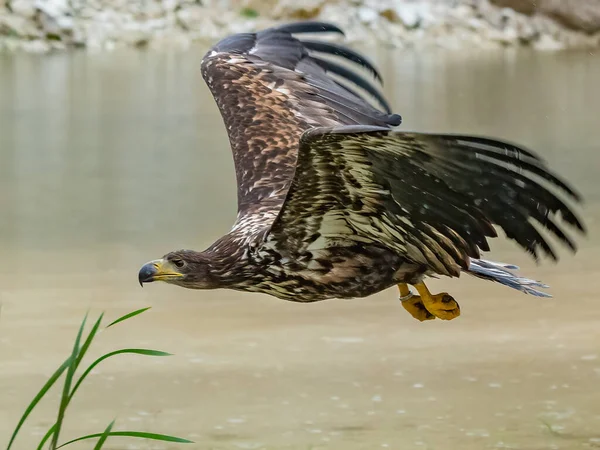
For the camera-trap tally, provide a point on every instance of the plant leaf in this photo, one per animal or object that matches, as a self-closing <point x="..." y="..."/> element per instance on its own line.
<point x="55" y="376"/>
<point x="137" y="351"/>
<point x="104" y="436"/>
<point x="84" y="349"/>
<point x="135" y="434"/>
<point x="88" y="341"/>
<point x="65" y="397"/>
<point x="47" y="436"/>
<point x="128" y="316"/>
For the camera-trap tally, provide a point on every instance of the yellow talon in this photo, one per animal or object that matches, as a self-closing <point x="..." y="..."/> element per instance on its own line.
<point x="427" y="306"/>
<point x="413" y="304"/>
<point x="441" y="305"/>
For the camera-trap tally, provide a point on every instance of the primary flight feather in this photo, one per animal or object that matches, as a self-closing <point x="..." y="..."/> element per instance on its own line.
<point x="335" y="203"/>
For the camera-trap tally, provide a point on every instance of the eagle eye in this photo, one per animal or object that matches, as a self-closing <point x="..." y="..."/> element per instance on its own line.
<point x="179" y="263"/>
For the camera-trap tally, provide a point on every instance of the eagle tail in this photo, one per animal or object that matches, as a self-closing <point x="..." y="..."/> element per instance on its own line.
<point x="501" y="273"/>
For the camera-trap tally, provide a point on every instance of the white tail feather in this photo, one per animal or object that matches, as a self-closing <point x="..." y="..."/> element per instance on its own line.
<point x="501" y="273"/>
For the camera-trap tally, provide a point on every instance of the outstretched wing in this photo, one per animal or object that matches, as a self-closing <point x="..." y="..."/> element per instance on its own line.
<point x="433" y="198"/>
<point x="270" y="87"/>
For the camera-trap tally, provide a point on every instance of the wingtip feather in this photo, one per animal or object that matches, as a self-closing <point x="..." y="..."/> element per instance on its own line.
<point x="343" y="52"/>
<point x="310" y="27"/>
<point x="354" y="78"/>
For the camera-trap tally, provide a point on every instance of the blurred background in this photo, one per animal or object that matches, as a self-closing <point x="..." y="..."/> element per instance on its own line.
<point x="112" y="152"/>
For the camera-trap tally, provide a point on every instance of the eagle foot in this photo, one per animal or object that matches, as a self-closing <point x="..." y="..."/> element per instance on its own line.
<point x="415" y="307"/>
<point x="427" y="306"/>
<point x="442" y="306"/>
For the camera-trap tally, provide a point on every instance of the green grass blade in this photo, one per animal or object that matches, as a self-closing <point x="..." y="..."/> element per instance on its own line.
<point x="137" y="351"/>
<point x="82" y="352"/>
<point x="55" y="376"/>
<point x="104" y="436"/>
<point x="70" y="366"/>
<point x="47" y="436"/>
<point x="88" y="341"/>
<point x="135" y="434"/>
<point x="65" y="397"/>
<point x="128" y="316"/>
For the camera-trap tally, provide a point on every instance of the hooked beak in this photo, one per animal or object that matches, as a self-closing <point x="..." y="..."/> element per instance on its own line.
<point x="157" y="270"/>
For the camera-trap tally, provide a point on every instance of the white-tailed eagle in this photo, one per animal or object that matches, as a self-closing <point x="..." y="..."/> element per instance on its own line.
<point x="333" y="202"/>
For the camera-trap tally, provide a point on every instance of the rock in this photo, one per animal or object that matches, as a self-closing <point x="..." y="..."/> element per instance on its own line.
<point x="294" y="9"/>
<point x="526" y="31"/>
<point x="581" y="15"/>
<point x="278" y="9"/>
<point x="410" y="14"/>
<point x="18" y="26"/>
<point x="547" y="42"/>
<point x="59" y="26"/>
<point x="23" y="8"/>
<point x="78" y="37"/>
<point x="577" y="14"/>
<point x="104" y="24"/>
<point x="53" y="8"/>
<point x="522" y="6"/>
<point x="135" y="36"/>
<point x="55" y="19"/>
<point x="190" y="18"/>
<point x="171" y="5"/>
<point x="367" y="15"/>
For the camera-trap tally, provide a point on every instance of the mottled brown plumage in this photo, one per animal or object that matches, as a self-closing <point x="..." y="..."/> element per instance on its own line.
<point x="332" y="202"/>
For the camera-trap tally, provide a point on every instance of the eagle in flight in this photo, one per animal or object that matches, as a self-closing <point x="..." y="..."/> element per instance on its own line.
<point x="333" y="202"/>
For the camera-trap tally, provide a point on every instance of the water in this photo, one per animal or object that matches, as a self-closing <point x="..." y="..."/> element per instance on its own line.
<point x="109" y="160"/>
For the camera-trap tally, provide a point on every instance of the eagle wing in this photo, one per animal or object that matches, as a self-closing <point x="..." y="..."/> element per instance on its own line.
<point x="271" y="87"/>
<point x="432" y="198"/>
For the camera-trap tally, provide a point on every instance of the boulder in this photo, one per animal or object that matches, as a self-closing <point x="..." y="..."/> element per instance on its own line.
<point x="280" y="9"/>
<point x="581" y="15"/>
<point x="523" y="6"/>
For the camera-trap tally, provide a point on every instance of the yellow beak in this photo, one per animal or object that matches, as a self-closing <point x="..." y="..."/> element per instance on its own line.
<point x="158" y="270"/>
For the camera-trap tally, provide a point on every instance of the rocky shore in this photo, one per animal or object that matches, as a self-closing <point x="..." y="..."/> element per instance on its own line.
<point x="45" y="25"/>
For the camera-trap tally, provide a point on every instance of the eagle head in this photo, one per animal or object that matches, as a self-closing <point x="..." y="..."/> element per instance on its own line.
<point x="185" y="268"/>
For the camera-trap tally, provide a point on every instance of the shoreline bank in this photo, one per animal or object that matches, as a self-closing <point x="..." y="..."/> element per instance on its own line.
<point x="47" y="25"/>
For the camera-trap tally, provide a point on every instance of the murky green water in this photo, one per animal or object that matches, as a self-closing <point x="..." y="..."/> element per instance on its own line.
<point x="109" y="160"/>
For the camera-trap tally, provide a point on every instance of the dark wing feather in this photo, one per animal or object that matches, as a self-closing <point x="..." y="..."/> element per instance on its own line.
<point x="354" y="78"/>
<point x="309" y="27"/>
<point x="344" y="52"/>
<point x="270" y="90"/>
<point x="433" y="198"/>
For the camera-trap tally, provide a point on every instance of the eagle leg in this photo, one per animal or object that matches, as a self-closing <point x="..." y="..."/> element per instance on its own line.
<point x="428" y="306"/>
<point x="413" y="304"/>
